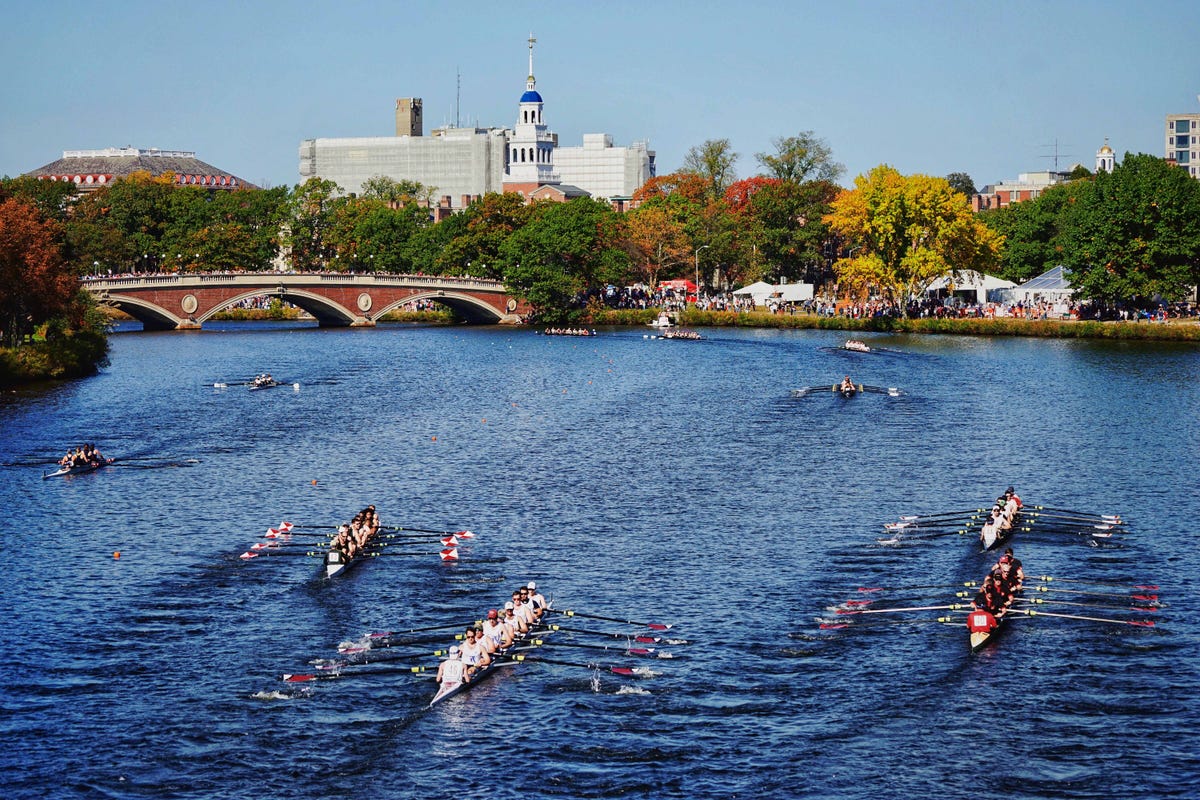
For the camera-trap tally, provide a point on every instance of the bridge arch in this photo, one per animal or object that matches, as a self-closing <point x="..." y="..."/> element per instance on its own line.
<point x="326" y="311"/>
<point x="152" y="316"/>
<point x="472" y="309"/>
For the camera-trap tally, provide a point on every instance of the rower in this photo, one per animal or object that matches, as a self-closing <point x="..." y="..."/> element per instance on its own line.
<point x="1014" y="564"/>
<point x="523" y="608"/>
<point x="539" y="602"/>
<point x="512" y="620"/>
<point x="452" y="671"/>
<point x="847" y="384"/>
<point x="1012" y="495"/>
<point x="535" y="610"/>
<point x="496" y="632"/>
<point x="988" y="598"/>
<point x="473" y="654"/>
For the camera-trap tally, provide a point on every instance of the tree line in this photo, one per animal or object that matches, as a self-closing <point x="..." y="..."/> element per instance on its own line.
<point x="1129" y="235"/>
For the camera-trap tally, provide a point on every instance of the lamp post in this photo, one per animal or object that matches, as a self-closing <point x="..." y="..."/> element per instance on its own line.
<point x="698" y="249"/>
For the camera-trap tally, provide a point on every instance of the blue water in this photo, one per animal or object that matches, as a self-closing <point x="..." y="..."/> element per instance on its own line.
<point x="675" y="482"/>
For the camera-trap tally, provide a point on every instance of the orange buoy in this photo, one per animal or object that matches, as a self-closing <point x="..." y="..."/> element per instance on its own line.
<point x="435" y="438"/>
<point x="116" y="553"/>
<point x="484" y="420"/>
<point x="314" y="483"/>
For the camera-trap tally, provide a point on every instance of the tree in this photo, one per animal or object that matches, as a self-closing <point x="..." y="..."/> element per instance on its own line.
<point x="961" y="182"/>
<point x="565" y="250"/>
<point x="394" y="192"/>
<point x="36" y="284"/>
<point x="311" y="215"/>
<point x="1031" y="231"/>
<point x="788" y="223"/>
<point x="656" y="242"/>
<point x="713" y="161"/>
<point x="483" y="227"/>
<point x="1134" y="233"/>
<point x="800" y="158"/>
<point x="907" y="232"/>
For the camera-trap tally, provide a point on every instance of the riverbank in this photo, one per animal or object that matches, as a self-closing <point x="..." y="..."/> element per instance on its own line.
<point x="72" y="356"/>
<point x="1178" y="330"/>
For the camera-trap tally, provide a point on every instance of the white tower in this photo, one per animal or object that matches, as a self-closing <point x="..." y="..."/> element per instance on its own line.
<point x="1105" y="160"/>
<point x="531" y="145"/>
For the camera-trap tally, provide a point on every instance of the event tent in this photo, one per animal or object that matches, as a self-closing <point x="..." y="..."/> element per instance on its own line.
<point x="970" y="286"/>
<point x="758" y="291"/>
<point x="1050" y="286"/>
<point x="763" y="293"/>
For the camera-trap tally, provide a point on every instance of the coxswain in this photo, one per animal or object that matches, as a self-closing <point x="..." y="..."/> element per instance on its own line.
<point x="452" y="671"/>
<point x="496" y="631"/>
<point x="472" y="652"/>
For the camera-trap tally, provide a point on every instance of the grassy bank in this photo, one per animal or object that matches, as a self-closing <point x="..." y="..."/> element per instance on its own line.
<point x="1055" y="329"/>
<point x="72" y="356"/>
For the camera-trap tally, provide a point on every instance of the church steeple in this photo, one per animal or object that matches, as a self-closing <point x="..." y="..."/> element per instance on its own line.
<point x="530" y="84"/>
<point x="1105" y="158"/>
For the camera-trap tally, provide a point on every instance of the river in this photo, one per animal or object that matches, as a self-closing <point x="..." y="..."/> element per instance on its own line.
<point x="666" y="481"/>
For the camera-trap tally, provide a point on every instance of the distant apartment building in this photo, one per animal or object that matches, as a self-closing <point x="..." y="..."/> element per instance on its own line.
<point x="461" y="164"/>
<point x="1183" y="142"/>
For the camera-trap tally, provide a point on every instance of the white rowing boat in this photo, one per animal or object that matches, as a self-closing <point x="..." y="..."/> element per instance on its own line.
<point x="499" y="659"/>
<point x="77" y="469"/>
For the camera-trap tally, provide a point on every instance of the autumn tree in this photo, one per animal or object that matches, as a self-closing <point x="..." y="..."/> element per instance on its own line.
<point x="905" y="232"/>
<point x="656" y="242"/>
<point x="35" y="283"/>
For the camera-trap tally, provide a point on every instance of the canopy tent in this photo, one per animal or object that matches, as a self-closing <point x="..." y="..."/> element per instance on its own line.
<point x="1050" y="286"/>
<point x="763" y="293"/>
<point x="679" y="285"/>
<point x="970" y="286"/>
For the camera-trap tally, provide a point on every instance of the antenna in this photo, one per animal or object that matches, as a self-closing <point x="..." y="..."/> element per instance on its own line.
<point x="1057" y="155"/>
<point x="457" y="96"/>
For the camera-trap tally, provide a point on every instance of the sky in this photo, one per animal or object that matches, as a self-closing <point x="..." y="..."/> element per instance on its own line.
<point x="992" y="89"/>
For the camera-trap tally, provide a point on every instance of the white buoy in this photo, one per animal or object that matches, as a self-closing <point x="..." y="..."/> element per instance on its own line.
<point x="296" y="386"/>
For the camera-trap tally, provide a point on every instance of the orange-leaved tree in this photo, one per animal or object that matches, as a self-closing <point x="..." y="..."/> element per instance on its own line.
<point x="36" y="284"/>
<point x="904" y="232"/>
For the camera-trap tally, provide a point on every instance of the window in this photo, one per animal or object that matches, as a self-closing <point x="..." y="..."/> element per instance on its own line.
<point x="1182" y="126"/>
<point x="1182" y="157"/>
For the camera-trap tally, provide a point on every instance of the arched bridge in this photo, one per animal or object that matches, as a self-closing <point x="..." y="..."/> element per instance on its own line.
<point x="184" y="301"/>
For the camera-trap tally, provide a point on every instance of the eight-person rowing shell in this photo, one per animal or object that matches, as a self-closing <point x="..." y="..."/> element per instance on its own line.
<point x="856" y="346"/>
<point x="994" y="598"/>
<point x="1000" y="519"/>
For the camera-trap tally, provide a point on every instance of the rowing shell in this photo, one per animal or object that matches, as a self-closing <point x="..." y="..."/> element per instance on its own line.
<point x="77" y="470"/>
<point x="984" y="627"/>
<point x="446" y="692"/>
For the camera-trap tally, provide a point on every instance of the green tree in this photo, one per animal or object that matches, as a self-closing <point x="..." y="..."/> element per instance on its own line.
<point x="961" y="182"/>
<point x="714" y="162"/>
<point x="906" y="232"/>
<point x="800" y="158"/>
<point x="53" y="199"/>
<point x="565" y="250"/>
<point x="394" y="192"/>
<point x="788" y="220"/>
<point x="311" y="217"/>
<point x="1032" y="232"/>
<point x="1134" y="233"/>
<point x="480" y="233"/>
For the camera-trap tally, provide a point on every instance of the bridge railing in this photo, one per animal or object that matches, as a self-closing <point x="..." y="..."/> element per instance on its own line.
<point x="288" y="279"/>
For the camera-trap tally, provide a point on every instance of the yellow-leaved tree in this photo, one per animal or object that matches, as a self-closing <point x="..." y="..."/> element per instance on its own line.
<point x="905" y="232"/>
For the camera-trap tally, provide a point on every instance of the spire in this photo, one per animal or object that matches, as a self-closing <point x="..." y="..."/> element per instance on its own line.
<point x="530" y="83"/>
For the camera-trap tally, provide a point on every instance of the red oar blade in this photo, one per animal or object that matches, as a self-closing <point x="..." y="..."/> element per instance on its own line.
<point x="658" y="626"/>
<point x="621" y="671"/>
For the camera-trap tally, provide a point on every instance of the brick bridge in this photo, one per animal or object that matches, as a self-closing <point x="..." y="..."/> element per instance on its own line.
<point x="183" y="301"/>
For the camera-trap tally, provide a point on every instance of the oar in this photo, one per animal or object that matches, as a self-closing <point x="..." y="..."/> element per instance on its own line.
<point x="1043" y="601"/>
<point x="1049" y="578"/>
<point x="655" y="626"/>
<point x="613" y="635"/>
<point x="1075" y="513"/>
<point x="1145" y="623"/>
<point x="830" y="625"/>
<point x="636" y="651"/>
<point x="366" y="657"/>
<point x="1110" y="520"/>
<point x="382" y="638"/>
<point x="890" y="391"/>
<point x="614" y="670"/>
<point x="334" y="675"/>
<point x="951" y="607"/>
<point x="967" y="584"/>
<point x="1093" y="594"/>
<point x="911" y="517"/>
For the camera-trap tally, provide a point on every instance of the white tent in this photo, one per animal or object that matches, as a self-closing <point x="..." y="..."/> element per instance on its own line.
<point x="970" y="286"/>
<point x="758" y="292"/>
<point x="793" y="292"/>
<point x="1051" y="286"/>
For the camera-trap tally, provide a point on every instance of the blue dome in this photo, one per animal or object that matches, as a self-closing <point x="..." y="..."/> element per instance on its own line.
<point x="531" y="97"/>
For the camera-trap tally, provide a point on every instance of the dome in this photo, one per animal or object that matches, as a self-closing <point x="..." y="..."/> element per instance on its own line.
<point x="531" y="97"/>
<point x="1106" y="149"/>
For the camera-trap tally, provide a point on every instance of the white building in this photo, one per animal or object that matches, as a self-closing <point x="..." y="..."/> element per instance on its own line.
<point x="1183" y="141"/>
<point x="460" y="164"/>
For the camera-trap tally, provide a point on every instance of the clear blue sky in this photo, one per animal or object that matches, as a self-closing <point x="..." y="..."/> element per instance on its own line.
<point x="985" y="88"/>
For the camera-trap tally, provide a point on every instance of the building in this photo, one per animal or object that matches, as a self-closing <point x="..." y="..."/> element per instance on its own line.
<point x="1027" y="186"/>
<point x="460" y="164"/>
<point x="1183" y="142"/>
<point x="92" y="169"/>
<point x="1105" y="158"/>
